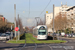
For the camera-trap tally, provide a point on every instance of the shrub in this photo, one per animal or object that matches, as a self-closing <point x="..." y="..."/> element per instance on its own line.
<point x="15" y="37"/>
<point x="22" y="36"/>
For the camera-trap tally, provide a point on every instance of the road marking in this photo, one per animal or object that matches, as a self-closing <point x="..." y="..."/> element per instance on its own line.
<point x="48" y="46"/>
<point x="9" y="49"/>
<point x="34" y="46"/>
<point x="60" y="46"/>
<point x="25" y="47"/>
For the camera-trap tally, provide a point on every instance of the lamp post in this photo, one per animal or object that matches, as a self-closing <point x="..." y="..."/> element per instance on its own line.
<point x="58" y="34"/>
<point x="19" y="28"/>
<point x="15" y="16"/>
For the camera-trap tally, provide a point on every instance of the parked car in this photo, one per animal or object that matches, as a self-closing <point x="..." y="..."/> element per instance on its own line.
<point x="9" y="33"/>
<point x="69" y="35"/>
<point x="4" y="37"/>
<point x="66" y="35"/>
<point x="62" y="34"/>
<point x="0" y="34"/>
<point x="55" y="34"/>
<point x="73" y="35"/>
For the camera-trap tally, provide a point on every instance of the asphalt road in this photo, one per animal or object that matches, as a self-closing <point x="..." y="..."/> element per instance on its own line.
<point x="70" y="45"/>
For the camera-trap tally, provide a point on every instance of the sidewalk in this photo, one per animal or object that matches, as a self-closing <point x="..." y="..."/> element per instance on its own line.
<point x="67" y="38"/>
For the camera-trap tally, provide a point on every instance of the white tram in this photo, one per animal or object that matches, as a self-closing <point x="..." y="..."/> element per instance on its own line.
<point x="40" y="32"/>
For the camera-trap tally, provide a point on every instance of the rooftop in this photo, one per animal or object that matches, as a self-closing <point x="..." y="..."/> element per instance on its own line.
<point x="1" y="15"/>
<point x="70" y="8"/>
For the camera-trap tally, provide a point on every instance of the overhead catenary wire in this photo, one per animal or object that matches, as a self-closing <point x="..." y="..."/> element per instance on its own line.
<point x="29" y="9"/>
<point x="25" y="34"/>
<point x="30" y="38"/>
<point x="29" y="6"/>
<point x="45" y="7"/>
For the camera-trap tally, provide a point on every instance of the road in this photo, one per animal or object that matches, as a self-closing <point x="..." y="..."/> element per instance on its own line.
<point x="70" y="45"/>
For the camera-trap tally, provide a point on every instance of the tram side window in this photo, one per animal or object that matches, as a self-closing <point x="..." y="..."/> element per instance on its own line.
<point x="35" y="32"/>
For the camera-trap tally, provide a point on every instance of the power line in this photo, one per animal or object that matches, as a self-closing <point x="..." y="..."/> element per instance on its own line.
<point x="29" y="9"/>
<point x="29" y="6"/>
<point x="45" y="7"/>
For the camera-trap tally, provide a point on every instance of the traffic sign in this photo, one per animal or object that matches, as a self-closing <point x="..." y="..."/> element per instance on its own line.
<point x="46" y="11"/>
<point x="16" y="29"/>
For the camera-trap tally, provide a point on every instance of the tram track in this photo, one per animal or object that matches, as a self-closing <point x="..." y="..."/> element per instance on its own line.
<point x="24" y="44"/>
<point x="47" y="45"/>
<point x="31" y="40"/>
<point x="34" y="43"/>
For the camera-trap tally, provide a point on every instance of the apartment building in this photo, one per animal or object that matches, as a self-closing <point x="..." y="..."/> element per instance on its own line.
<point x="71" y="18"/>
<point x="49" y="17"/>
<point x="2" y="18"/>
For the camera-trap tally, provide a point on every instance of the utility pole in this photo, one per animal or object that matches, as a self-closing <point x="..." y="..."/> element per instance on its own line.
<point x="15" y="16"/>
<point x="37" y="19"/>
<point x="19" y="28"/>
<point x="58" y="34"/>
<point x="11" y="32"/>
<point x="53" y="21"/>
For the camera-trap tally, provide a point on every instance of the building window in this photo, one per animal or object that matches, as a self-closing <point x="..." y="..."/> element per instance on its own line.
<point x="74" y="11"/>
<point x="74" y="17"/>
<point x="47" y="16"/>
<point x="50" y="17"/>
<point x="71" y="13"/>
<point x="0" y="18"/>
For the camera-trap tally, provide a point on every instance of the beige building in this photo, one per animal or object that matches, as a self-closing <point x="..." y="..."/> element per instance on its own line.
<point x="2" y="18"/>
<point x="71" y="18"/>
<point x="49" y="17"/>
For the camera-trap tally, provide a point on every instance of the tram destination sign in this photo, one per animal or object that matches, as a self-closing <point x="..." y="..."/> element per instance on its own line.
<point x="42" y="30"/>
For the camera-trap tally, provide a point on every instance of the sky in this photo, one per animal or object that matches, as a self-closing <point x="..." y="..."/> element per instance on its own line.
<point x="36" y="7"/>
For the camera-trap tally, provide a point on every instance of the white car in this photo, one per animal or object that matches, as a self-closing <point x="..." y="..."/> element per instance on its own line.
<point x="4" y="37"/>
<point x="73" y="35"/>
<point x="62" y="34"/>
<point x="10" y="34"/>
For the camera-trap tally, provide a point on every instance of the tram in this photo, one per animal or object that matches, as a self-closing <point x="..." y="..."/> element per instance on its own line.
<point x="40" y="32"/>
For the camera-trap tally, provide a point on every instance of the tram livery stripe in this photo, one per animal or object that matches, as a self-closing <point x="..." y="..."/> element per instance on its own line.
<point x="34" y="36"/>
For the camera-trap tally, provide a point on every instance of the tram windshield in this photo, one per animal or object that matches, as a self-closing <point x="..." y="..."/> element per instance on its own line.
<point x="42" y="33"/>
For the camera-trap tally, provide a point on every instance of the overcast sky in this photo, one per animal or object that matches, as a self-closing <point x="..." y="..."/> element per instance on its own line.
<point x="22" y="8"/>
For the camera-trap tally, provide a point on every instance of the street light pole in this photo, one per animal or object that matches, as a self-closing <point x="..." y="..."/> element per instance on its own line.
<point x="15" y="16"/>
<point x="19" y="29"/>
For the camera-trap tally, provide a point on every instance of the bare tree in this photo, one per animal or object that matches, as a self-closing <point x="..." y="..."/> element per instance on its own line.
<point x="5" y="25"/>
<point x="60" y="22"/>
<point x="19" y="22"/>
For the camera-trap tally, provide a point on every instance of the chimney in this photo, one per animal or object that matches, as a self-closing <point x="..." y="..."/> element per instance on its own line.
<point x="3" y="19"/>
<point x="61" y="3"/>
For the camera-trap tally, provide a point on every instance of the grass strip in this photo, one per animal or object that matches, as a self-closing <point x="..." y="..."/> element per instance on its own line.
<point x="28" y="40"/>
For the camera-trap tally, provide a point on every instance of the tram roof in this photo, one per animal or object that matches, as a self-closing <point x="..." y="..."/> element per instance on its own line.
<point x="37" y="27"/>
